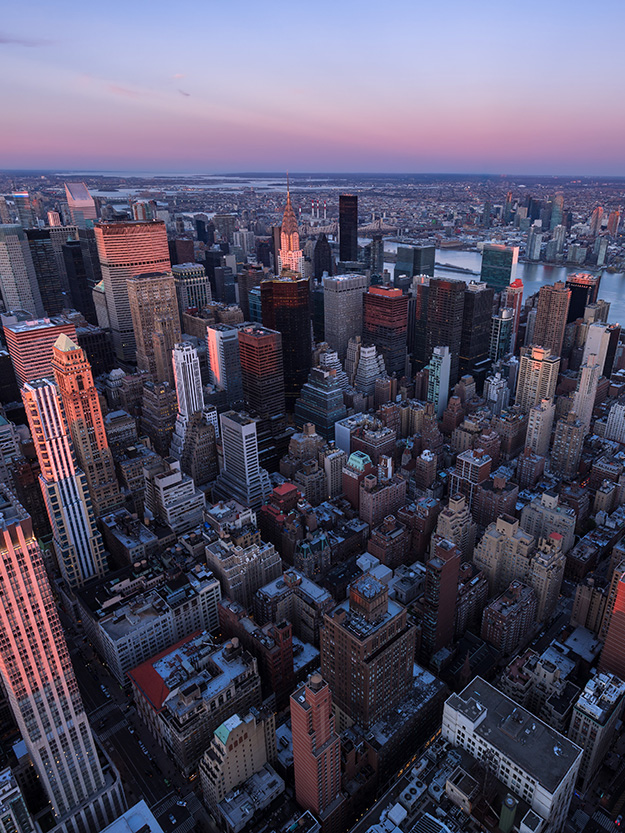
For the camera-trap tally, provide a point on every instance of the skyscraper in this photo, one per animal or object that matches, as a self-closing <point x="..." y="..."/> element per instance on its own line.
<point x="539" y="425"/>
<point x="568" y="441"/>
<point x="286" y="308"/>
<point x="321" y="402"/>
<point x="322" y="257"/>
<point x="41" y="687"/>
<point x="348" y="227"/>
<point x="316" y="747"/>
<point x="260" y="352"/>
<point x="77" y="541"/>
<point x="52" y="285"/>
<point x="476" y="325"/>
<point x="501" y="334"/>
<point x="441" y="593"/>
<point x="83" y="414"/>
<point x="444" y="320"/>
<point x="584" y="397"/>
<point x="80" y="202"/>
<point x="192" y="286"/>
<point x="551" y="316"/>
<point x="538" y="376"/>
<point x="242" y="477"/>
<point x="78" y="281"/>
<point x="343" y="310"/>
<point x="25" y="211"/>
<point x="385" y="324"/>
<point x="514" y="300"/>
<point x="30" y="344"/>
<point x="156" y="323"/>
<point x="584" y="290"/>
<point x="414" y="260"/>
<point x="18" y="281"/>
<point x="499" y="265"/>
<point x="439" y="369"/>
<point x="224" y="363"/>
<point x="290" y="256"/>
<point x="126" y="250"/>
<point x="189" y="394"/>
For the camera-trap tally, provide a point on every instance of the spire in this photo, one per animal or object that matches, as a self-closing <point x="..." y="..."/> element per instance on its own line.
<point x="289" y="220"/>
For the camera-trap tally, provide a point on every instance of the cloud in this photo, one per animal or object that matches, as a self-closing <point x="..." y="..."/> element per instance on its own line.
<point x="182" y="92"/>
<point x="124" y="91"/>
<point x="178" y="75"/>
<point x="6" y="40"/>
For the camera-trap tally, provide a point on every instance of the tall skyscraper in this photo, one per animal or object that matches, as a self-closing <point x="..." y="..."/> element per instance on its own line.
<point x="441" y="593"/>
<point x="77" y="541"/>
<point x="322" y="257"/>
<point x="385" y="325"/>
<point x="189" y="393"/>
<point x="30" y="344"/>
<point x="538" y="376"/>
<point x="290" y="255"/>
<point x="501" y="334"/>
<point x="80" y="202"/>
<point x="286" y="308"/>
<point x="568" y="441"/>
<point x="499" y="265"/>
<point x="81" y="405"/>
<point x="476" y="327"/>
<point x="41" y="687"/>
<point x="444" y="320"/>
<point x="156" y="323"/>
<point x="551" y="316"/>
<point x="348" y="227"/>
<point x="224" y="362"/>
<point x="78" y="281"/>
<point x="126" y="250"/>
<point x="439" y="369"/>
<point x="584" y="290"/>
<point x="584" y="397"/>
<point x="514" y="300"/>
<point x="260" y="352"/>
<point x="52" y="284"/>
<point x="321" y="402"/>
<point x="342" y="304"/>
<point x="25" y="210"/>
<point x="242" y="477"/>
<point x="613" y="656"/>
<point x="192" y="286"/>
<point x="18" y="281"/>
<point x="316" y="747"/>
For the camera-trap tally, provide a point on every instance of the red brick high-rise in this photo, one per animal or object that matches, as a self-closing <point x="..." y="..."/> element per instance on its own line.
<point x="316" y="748"/>
<point x="613" y="655"/>
<point x="441" y="593"/>
<point x="551" y="316"/>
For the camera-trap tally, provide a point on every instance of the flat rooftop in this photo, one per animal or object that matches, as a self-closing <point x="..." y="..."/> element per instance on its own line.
<point x="518" y="735"/>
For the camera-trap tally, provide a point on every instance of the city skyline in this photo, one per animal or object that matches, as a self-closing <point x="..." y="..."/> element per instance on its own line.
<point x="475" y="98"/>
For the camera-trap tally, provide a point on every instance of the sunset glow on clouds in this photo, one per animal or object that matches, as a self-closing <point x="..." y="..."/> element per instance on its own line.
<point x="485" y="86"/>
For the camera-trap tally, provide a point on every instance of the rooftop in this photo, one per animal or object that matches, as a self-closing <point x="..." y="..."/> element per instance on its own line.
<point x="515" y="733"/>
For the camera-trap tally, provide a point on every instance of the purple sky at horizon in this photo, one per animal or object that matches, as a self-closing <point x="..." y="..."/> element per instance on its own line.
<point x="489" y="87"/>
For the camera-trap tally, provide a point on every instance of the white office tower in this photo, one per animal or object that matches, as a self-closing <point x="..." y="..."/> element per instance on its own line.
<point x="539" y="427"/>
<point x="224" y="362"/>
<point x="18" y="281"/>
<point x="584" y="398"/>
<point x="77" y="542"/>
<point x="439" y="370"/>
<point x="41" y="687"/>
<point x="242" y="477"/>
<point x="188" y="382"/>
<point x="597" y="342"/>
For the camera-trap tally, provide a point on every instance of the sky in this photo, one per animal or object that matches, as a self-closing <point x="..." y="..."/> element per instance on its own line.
<point x="397" y="86"/>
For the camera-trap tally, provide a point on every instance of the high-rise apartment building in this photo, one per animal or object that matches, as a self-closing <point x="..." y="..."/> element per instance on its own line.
<point x="316" y="748"/>
<point x="156" y="322"/>
<point x="126" y="250"/>
<point x="286" y="308"/>
<point x="585" y="395"/>
<point x="41" y="687"/>
<point x="18" y="280"/>
<point x="445" y="312"/>
<point x="290" y="255"/>
<point x="538" y="376"/>
<point x="439" y="373"/>
<point x="472" y="468"/>
<point x="367" y="652"/>
<point x="539" y="425"/>
<point x="514" y="300"/>
<point x="80" y="203"/>
<point x="348" y="227"/>
<point x="499" y="265"/>
<point x="262" y="370"/>
<point x="83" y="414"/>
<point x="612" y="659"/>
<point x="385" y="324"/>
<point x="440" y="595"/>
<point x="568" y="441"/>
<point x="455" y="524"/>
<point x="545" y="515"/>
<point x="77" y="541"/>
<point x="192" y="286"/>
<point x="501" y="332"/>
<point x="551" y="317"/>
<point x="342" y="307"/>
<point x="30" y="344"/>
<point x="224" y="364"/>
<point x="242" y="477"/>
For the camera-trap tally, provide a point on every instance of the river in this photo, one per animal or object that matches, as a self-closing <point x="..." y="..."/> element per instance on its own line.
<point x="533" y="275"/>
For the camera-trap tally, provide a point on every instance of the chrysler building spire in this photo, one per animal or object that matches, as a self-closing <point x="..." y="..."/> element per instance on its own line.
<point x="290" y="256"/>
